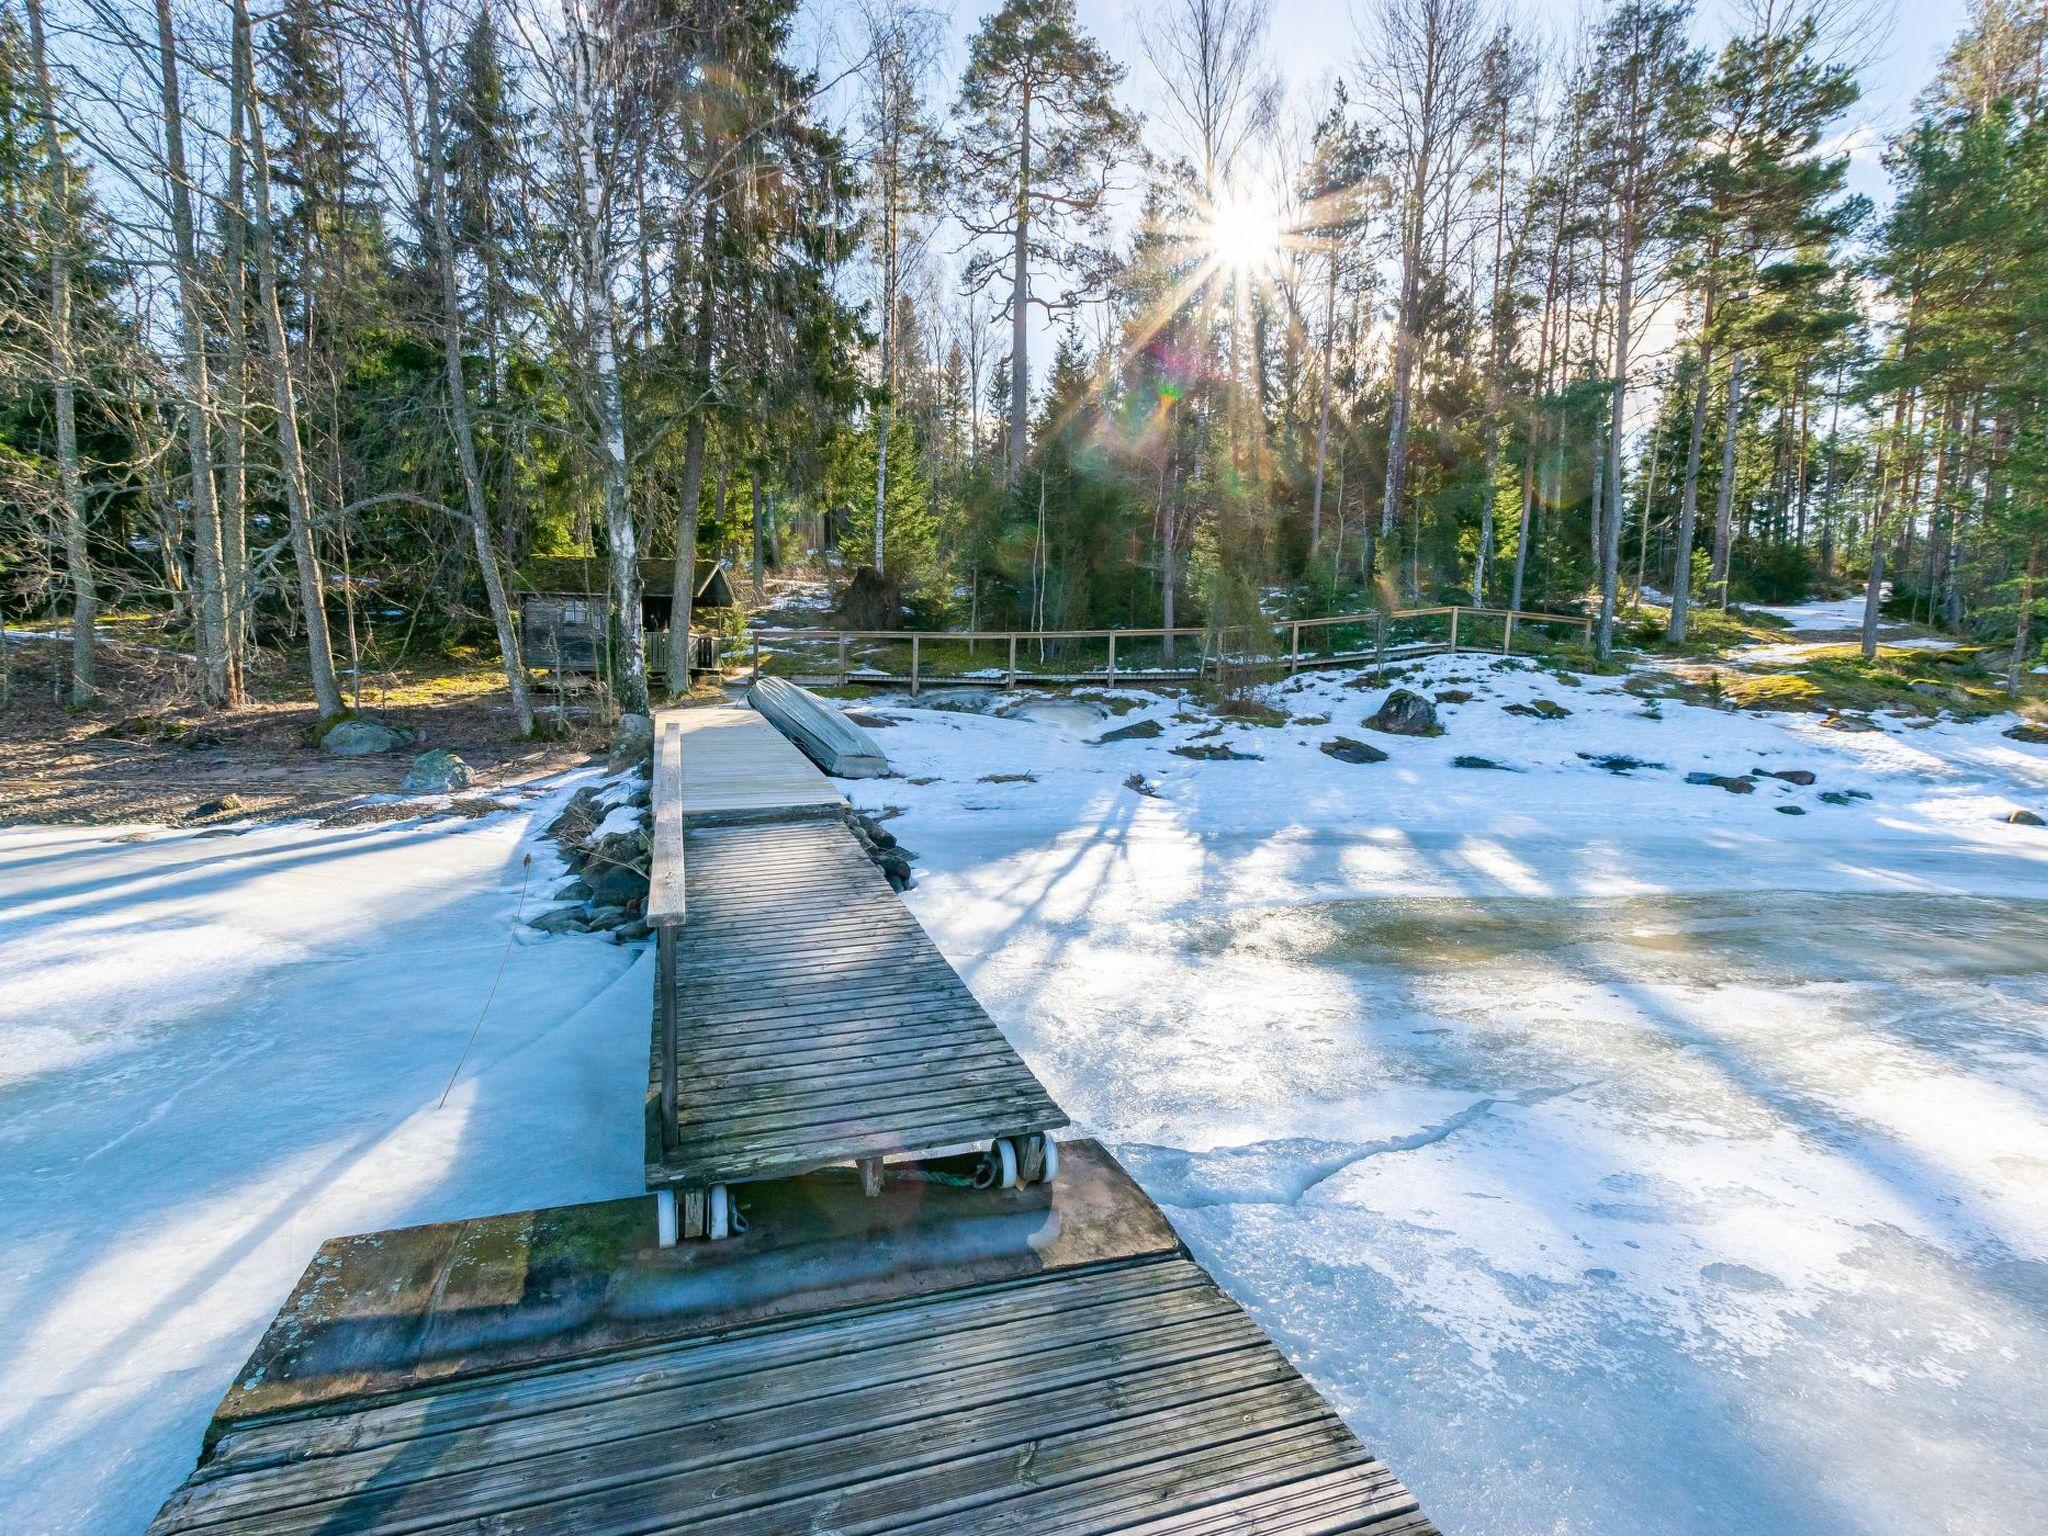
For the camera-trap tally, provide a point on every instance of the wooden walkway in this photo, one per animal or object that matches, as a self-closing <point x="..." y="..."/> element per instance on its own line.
<point x="1054" y="1362"/>
<point x="816" y="1022"/>
<point x="738" y="768"/>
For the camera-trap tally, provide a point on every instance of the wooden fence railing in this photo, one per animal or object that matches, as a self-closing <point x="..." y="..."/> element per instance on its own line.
<point x="846" y="656"/>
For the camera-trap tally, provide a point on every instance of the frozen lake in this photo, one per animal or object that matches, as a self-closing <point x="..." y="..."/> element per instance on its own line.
<point x="1620" y="1155"/>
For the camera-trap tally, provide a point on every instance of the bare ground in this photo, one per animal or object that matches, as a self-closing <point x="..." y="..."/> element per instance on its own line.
<point x="145" y="753"/>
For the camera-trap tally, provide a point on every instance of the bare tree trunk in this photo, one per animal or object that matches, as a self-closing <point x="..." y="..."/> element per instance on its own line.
<point x="1689" y="497"/>
<point x="312" y="593"/>
<point x="2023" y="638"/>
<point x="63" y="375"/>
<point x="888" y="382"/>
<point x="210" y="613"/>
<point x="1315" y="524"/>
<point x="1724" y="500"/>
<point x="234" y="531"/>
<point x="1020" y="303"/>
<point x="1610" y="542"/>
<point x="433" y="164"/>
<point x="755" y="521"/>
<point x="611" y="400"/>
<point x="684" y="581"/>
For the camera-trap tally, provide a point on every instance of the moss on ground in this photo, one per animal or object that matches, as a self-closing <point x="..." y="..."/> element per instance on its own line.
<point x="1836" y="678"/>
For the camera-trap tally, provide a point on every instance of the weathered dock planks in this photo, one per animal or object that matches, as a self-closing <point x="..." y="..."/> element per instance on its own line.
<point x="815" y="1022"/>
<point x="1043" y="1360"/>
<point x="737" y="768"/>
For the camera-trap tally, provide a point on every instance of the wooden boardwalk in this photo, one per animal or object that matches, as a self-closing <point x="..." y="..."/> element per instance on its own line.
<point x="1053" y="1362"/>
<point x="738" y="768"/>
<point x="816" y="1022"/>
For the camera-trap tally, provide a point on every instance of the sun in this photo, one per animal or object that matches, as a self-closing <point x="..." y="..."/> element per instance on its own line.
<point x="1243" y="233"/>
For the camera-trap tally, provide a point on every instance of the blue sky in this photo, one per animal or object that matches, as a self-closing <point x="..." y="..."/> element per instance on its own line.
<point x="1311" y="41"/>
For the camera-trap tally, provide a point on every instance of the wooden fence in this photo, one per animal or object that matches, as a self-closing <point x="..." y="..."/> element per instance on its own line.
<point x="1003" y="658"/>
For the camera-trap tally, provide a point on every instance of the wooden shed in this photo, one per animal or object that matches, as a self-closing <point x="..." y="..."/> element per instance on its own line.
<point x="562" y="606"/>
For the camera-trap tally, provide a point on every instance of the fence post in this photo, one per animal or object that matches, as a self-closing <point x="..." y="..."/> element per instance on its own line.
<point x="1454" y="629"/>
<point x="844" y="641"/>
<point x="1112" y="658"/>
<point x="1011" y="681"/>
<point x="757" y="655"/>
<point x="1507" y="643"/>
<point x="1294" y="654"/>
<point x="1379" y="642"/>
<point x="914" y="643"/>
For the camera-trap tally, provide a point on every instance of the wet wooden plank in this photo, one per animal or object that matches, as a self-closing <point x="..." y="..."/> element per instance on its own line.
<point x="1127" y="1395"/>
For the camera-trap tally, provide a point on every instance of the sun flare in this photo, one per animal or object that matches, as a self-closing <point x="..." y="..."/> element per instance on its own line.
<point x="1243" y="233"/>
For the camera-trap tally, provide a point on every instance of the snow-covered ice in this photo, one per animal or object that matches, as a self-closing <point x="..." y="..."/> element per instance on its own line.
<point x="217" y="1051"/>
<point x="1620" y="1154"/>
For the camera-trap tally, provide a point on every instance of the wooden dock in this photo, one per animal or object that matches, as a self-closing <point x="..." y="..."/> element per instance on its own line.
<point x="939" y="1360"/>
<point x="910" y="1353"/>
<point x="815" y="1020"/>
<point x="739" y="769"/>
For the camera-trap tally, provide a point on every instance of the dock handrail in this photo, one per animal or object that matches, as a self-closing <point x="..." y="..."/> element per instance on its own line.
<point x="665" y="903"/>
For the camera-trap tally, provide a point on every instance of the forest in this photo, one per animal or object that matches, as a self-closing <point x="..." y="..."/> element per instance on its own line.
<point x="318" y="323"/>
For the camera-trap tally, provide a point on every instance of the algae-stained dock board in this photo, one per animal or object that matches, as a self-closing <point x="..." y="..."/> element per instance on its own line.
<point x="1130" y="1397"/>
<point x="816" y="1022"/>
<point x="738" y="768"/>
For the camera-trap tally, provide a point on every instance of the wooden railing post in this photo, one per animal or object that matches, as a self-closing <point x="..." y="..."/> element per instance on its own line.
<point x="1507" y="644"/>
<point x="914" y="648"/>
<point x="757" y="655"/>
<point x="1112" y="658"/>
<point x="1379" y="642"/>
<point x="1011" y="681"/>
<point x="1454" y="629"/>
<point x="1294" y="654"/>
<point x="844" y="642"/>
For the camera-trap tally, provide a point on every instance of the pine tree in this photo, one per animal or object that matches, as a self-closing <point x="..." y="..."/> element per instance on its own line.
<point x="1039" y="136"/>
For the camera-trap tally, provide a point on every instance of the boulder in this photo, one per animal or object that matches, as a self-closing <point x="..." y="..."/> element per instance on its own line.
<point x="1454" y="696"/>
<point x="226" y="805"/>
<point x="1480" y="762"/>
<point x="575" y="890"/>
<point x="1618" y="762"/>
<point x="617" y="884"/>
<point x="632" y="741"/>
<point x="561" y="920"/>
<point x="2024" y="819"/>
<point x="1800" y="776"/>
<point x="1217" y="754"/>
<point x="1137" y="730"/>
<point x="632" y="931"/>
<point x="1733" y="785"/>
<point x="1539" y="709"/>
<point x="1346" y="750"/>
<point x="436" y="772"/>
<point x="362" y="738"/>
<point x="1842" y="796"/>
<point x="1789" y="810"/>
<point x="1405" y="713"/>
<point x="2033" y="735"/>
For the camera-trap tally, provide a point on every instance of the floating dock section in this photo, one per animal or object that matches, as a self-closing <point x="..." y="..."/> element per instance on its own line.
<point x="940" y="1342"/>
